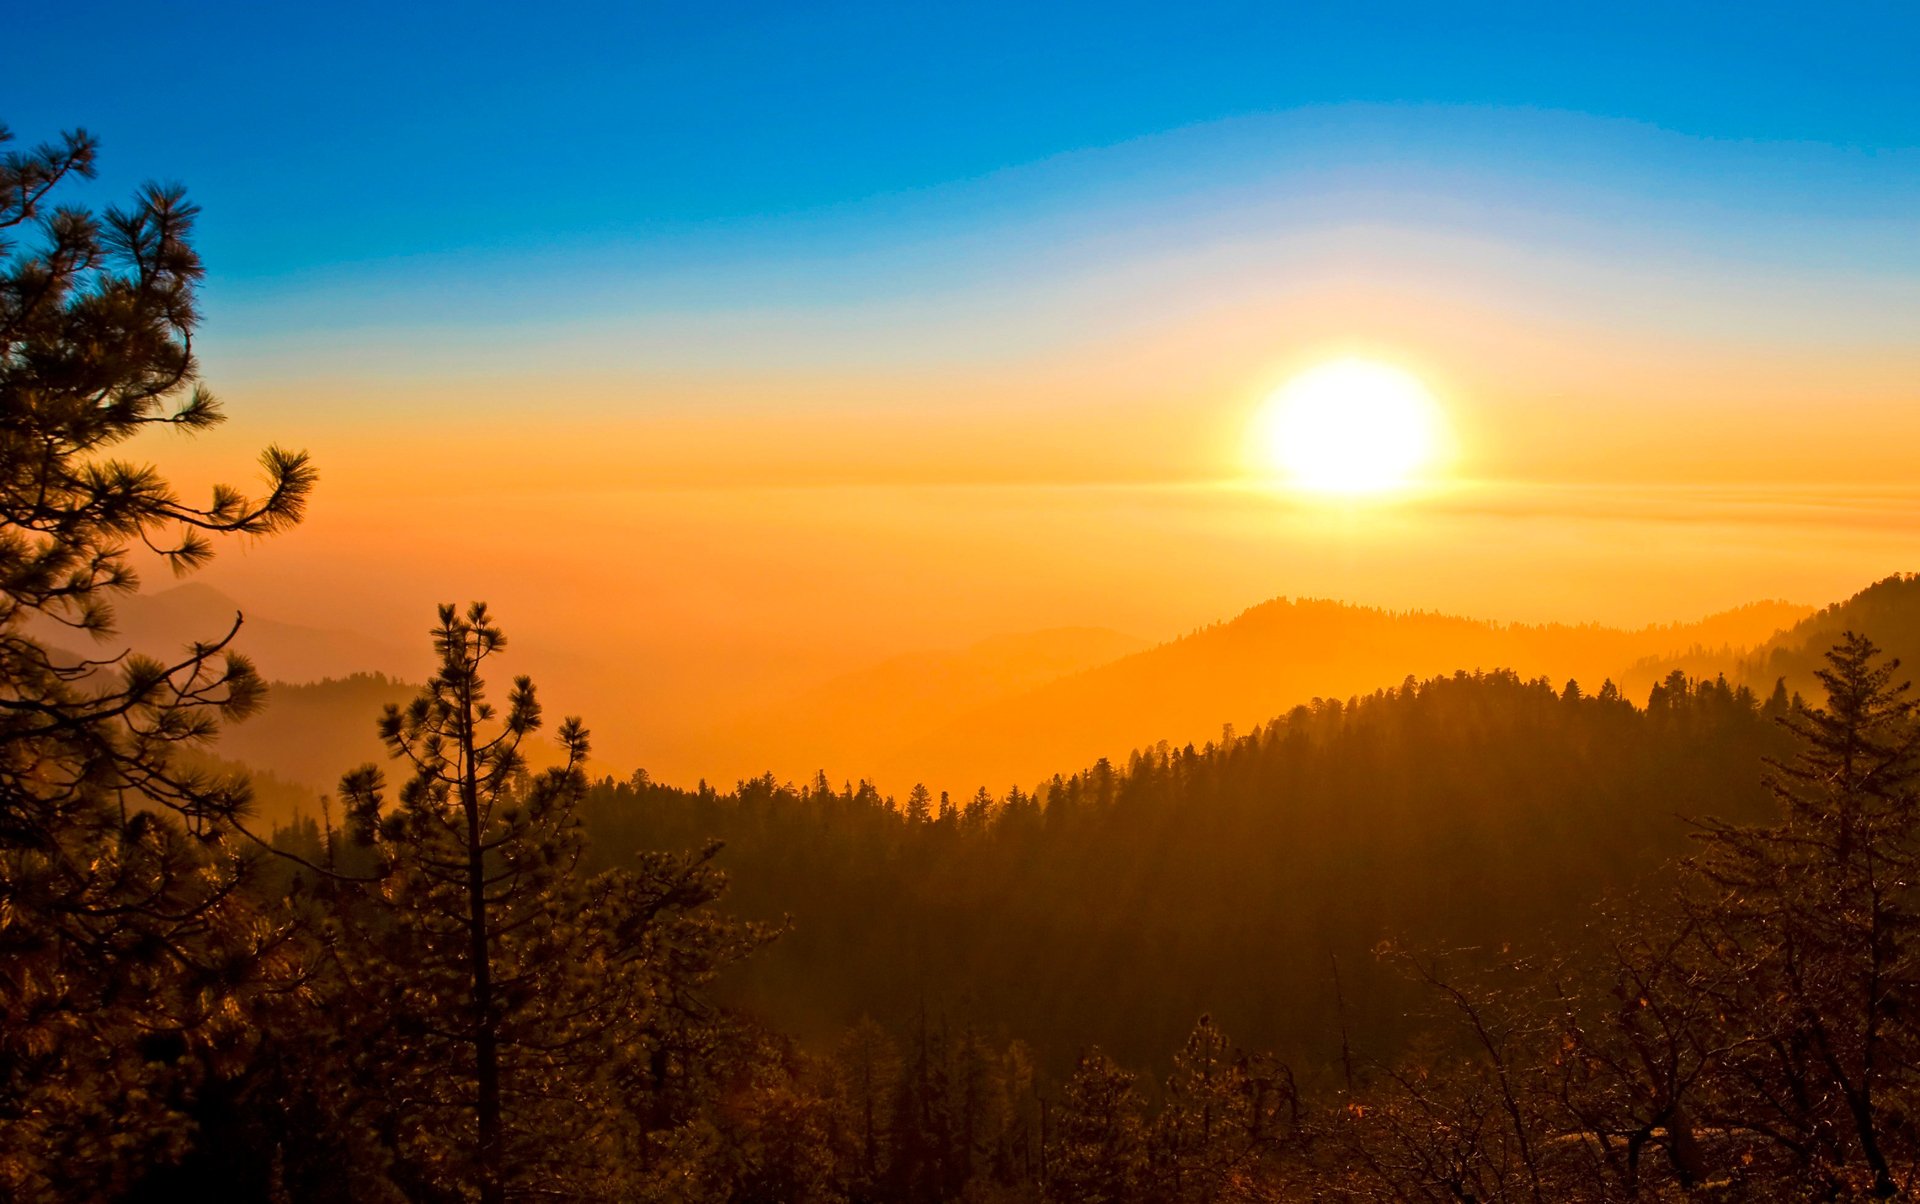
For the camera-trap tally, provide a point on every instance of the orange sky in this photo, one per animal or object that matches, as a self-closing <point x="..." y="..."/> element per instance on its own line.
<point x="705" y="491"/>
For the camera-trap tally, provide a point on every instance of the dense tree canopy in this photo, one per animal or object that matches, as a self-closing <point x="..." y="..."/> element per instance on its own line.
<point x="1116" y="904"/>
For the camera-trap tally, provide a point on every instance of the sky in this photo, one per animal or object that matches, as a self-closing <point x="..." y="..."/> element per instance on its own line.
<point x="759" y="342"/>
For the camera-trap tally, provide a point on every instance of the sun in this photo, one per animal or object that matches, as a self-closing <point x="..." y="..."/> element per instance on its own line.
<point x="1351" y="427"/>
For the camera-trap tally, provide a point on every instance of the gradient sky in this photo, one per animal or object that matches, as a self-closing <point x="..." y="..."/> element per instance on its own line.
<point x="808" y="333"/>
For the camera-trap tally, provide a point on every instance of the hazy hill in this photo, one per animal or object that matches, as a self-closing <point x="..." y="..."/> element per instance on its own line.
<point x="1012" y="708"/>
<point x="867" y="718"/>
<point x="1888" y="611"/>
<point x="166" y="621"/>
<point x="326" y="689"/>
<point x="1285" y="652"/>
<point x="310" y="734"/>
<point x="277" y="801"/>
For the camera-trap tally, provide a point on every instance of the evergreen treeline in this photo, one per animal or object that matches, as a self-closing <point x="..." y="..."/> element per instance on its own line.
<point x="1889" y="608"/>
<point x="1243" y="671"/>
<point x="1237" y="878"/>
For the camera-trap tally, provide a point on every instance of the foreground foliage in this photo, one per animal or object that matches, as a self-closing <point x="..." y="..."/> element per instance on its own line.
<point x="130" y="954"/>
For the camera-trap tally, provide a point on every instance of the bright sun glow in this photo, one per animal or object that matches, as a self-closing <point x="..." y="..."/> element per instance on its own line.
<point x="1349" y="427"/>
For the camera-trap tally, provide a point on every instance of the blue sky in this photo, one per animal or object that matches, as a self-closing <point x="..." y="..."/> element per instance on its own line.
<point x="327" y="134"/>
<point x="404" y="198"/>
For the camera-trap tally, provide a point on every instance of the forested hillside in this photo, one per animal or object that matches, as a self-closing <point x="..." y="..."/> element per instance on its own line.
<point x="1281" y="653"/>
<point x="1116" y="904"/>
<point x="168" y="620"/>
<point x="1889" y="608"/>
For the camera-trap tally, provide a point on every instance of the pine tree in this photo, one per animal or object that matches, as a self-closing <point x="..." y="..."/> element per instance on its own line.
<point x="1223" y="1119"/>
<point x="1098" y="1156"/>
<point x="125" y="946"/>
<point x="868" y="1066"/>
<point x="1205" y="1124"/>
<point x="919" y="804"/>
<point x="979" y="811"/>
<point x="781" y="1138"/>
<point x="526" y="1022"/>
<point x="1820" y="913"/>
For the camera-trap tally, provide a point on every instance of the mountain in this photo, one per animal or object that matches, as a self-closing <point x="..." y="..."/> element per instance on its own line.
<point x="311" y="733"/>
<point x="1888" y="612"/>
<point x="1014" y="708"/>
<point x="1238" y="877"/>
<point x="171" y="619"/>
<point x="326" y="688"/>
<point x="867" y="718"/>
<point x="1286" y="652"/>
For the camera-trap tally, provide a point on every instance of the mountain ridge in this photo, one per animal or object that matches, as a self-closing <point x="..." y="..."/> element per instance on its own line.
<point x="1283" y="652"/>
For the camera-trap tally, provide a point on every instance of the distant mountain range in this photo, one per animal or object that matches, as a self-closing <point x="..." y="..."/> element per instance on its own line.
<point x="327" y="687"/>
<point x="1286" y="652"/>
<point x="1018" y="708"/>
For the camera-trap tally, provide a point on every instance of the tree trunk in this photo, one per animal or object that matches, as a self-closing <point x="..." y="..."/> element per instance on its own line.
<point x="485" y="1040"/>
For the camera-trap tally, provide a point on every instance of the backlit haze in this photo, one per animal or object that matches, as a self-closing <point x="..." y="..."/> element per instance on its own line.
<point x="722" y="374"/>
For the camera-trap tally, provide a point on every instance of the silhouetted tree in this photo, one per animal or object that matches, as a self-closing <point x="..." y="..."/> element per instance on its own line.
<point x="123" y="942"/>
<point x="1635" y="1047"/>
<point x="869" y="1069"/>
<point x="919" y="804"/>
<point x="1098" y="1154"/>
<point x="783" y="1139"/>
<point x="1820" y="913"/>
<point x="530" y="1019"/>
<point x="1222" y="1121"/>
